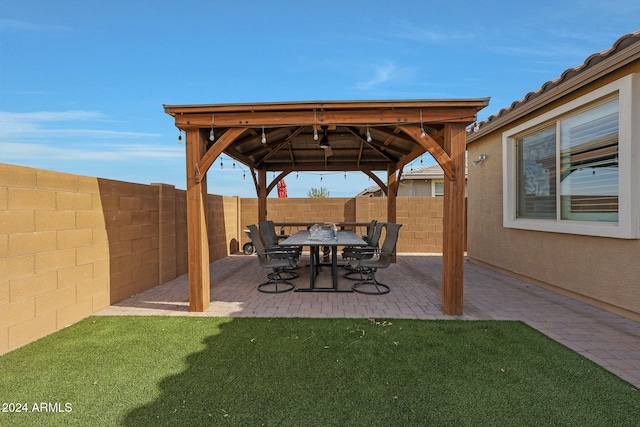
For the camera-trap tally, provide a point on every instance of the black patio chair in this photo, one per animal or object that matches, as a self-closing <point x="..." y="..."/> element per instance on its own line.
<point x="371" y="229"/>
<point x="275" y="259"/>
<point x="272" y="243"/>
<point x="380" y="258"/>
<point x="360" y="252"/>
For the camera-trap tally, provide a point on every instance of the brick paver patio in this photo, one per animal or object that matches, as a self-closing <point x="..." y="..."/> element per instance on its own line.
<point x="610" y="340"/>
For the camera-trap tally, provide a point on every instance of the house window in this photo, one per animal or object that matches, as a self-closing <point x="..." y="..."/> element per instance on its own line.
<point x="586" y="172"/>
<point x="438" y="188"/>
<point x="570" y="170"/>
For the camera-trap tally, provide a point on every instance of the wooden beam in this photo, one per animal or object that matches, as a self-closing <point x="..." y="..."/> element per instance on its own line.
<point x="197" y="238"/>
<point x="205" y="162"/>
<point x="453" y="223"/>
<point x="276" y="180"/>
<point x="321" y="106"/>
<point x="442" y="157"/>
<point x="262" y="195"/>
<point x="377" y="180"/>
<point x="392" y="194"/>
<point x="362" y="117"/>
<point x="277" y="148"/>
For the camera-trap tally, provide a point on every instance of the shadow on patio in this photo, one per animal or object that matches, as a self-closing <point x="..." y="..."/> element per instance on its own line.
<point x="609" y="340"/>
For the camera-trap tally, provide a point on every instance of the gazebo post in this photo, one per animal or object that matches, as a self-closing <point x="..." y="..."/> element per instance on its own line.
<point x="392" y="193"/>
<point x="198" y="240"/>
<point x="453" y="222"/>
<point x="262" y="195"/>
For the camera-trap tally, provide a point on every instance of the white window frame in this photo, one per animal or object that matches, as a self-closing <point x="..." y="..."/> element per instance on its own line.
<point x="433" y="187"/>
<point x="628" y="225"/>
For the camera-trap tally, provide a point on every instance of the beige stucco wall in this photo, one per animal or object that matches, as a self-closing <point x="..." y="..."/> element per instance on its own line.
<point x="601" y="271"/>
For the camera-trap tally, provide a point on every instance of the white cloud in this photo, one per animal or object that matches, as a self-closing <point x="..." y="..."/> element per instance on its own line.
<point x="382" y="74"/>
<point x="407" y="31"/>
<point x="32" y="125"/>
<point x="16" y="25"/>
<point x="115" y="152"/>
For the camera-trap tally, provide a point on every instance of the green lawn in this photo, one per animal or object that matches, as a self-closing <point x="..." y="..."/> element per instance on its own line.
<point x="138" y="371"/>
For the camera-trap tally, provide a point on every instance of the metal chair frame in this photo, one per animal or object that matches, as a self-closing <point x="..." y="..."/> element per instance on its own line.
<point x="376" y="259"/>
<point x="271" y="243"/>
<point x="359" y="252"/>
<point x="279" y="261"/>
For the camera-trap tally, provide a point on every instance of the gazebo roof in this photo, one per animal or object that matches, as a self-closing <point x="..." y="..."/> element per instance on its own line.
<point x="362" y="135"/>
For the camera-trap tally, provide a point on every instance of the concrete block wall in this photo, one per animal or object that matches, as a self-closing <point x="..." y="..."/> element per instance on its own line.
<point x="421" y="217"/>
<point x="131" y="215"/>
<point x="71" y="245"/>
<point x="223" y="227"/>
<point x="54" y="253"/>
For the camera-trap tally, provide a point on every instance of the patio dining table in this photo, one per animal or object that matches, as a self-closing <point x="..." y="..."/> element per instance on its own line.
<point x="342" y="238"/>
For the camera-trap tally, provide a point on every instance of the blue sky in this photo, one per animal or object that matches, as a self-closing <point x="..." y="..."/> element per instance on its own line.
<point x="82" y="84"/>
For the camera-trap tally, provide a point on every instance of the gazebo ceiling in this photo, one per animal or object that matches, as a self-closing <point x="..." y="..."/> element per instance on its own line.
<point x="362" y="135"/>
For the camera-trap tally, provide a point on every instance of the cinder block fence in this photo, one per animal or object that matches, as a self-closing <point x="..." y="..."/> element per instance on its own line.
<point x="72" y="245"/>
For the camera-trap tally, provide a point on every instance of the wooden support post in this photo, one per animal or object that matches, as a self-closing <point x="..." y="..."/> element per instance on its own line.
<point x="262" y="195"/>
<point x="392" y="193"/>
<point x="198" y="240"/>
<point x="453" y="222"/>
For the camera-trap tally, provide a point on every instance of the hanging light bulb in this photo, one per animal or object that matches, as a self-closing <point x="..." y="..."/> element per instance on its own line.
<point x="296" y="175"/>
<point x="212" y="136"/>
<point x="423" y="134"/>
<point x="320" y="177"/>
<point x="221" y="164"/>
<point x="315" y="134"/>
<point x="234" y="164"/>
<point x="264" y="136"/>
<point x="345" y="174"/>
<point x="368" y="135"/>
<point x="244" y="175"/>
<point x="180" y="137"/>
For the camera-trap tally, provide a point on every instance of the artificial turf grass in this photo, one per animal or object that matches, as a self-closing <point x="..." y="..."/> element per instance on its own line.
<point x="312" y="372"/>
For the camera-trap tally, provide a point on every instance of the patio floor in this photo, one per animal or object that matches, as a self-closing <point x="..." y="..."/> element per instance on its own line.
<point x="610" y="340"/>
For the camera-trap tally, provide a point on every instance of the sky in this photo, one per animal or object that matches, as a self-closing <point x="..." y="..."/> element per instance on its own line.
<point x="83" y="83"/>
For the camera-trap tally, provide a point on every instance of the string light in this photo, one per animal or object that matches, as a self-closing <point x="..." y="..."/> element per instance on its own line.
<point x="212" y="136"/>
<point x="315" y="129"/>
<point x="423" y="134"/>
<point x="368" y="135"/>
<point x="345" y="174"/>
<point x="264" y="136"/>
<point x="180" y="137"/>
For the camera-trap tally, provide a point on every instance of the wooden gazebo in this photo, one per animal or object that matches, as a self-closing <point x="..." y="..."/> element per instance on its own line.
<point x="364" y="136"/>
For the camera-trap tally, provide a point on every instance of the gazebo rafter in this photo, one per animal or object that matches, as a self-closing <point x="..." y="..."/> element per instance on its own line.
<point x="365" y="136"/>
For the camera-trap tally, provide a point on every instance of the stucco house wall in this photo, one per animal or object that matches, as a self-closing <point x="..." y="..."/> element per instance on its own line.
<point x="603" y="271"/>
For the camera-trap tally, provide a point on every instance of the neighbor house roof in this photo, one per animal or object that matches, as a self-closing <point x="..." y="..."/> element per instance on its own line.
<point x="624" y="51"/>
